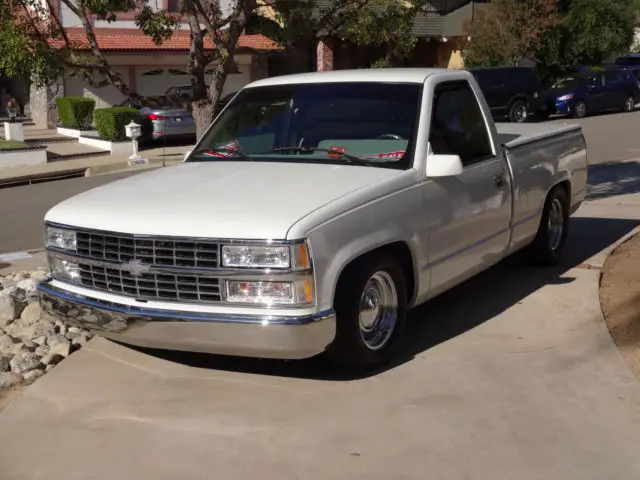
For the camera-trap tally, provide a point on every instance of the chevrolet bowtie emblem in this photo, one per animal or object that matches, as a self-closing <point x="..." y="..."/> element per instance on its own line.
<point x="136" y="268"/>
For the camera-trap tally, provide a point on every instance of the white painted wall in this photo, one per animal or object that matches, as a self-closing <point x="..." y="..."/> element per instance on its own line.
<point x="107" y="96"/>
<point x="20" y="158"/>
<point x="150" y="85"/>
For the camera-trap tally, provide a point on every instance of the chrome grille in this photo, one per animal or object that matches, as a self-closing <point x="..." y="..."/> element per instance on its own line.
<point x="151" y="286"/>
<point x="152" y="251"/>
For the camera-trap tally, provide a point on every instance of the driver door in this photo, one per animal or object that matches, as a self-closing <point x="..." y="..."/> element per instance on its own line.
<point x="468" y="214"/>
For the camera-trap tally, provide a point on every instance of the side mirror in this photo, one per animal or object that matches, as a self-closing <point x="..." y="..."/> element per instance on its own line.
<point x="444" y="166"/>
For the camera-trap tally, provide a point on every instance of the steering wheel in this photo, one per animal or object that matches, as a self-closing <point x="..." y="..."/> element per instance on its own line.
<point x="389" y="136"/>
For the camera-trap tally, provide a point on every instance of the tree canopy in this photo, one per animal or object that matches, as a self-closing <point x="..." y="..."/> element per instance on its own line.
<point x="556" y="34"/>
<point x="34" y="44"/>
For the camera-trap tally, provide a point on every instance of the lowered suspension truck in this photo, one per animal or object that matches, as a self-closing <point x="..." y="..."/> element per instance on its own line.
<point x="312" y="215"/>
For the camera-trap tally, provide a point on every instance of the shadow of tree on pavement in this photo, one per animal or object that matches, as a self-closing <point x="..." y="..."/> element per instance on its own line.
<point x="612" y="179"/>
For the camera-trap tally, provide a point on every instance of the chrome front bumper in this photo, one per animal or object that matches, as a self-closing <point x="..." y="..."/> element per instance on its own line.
<point x="250" y="336"/>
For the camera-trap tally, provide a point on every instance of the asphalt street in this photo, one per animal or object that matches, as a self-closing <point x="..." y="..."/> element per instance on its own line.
<point x="610" y="138"/>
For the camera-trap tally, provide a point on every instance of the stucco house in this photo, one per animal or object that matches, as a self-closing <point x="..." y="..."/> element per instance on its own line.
<point x="148" y="69"/>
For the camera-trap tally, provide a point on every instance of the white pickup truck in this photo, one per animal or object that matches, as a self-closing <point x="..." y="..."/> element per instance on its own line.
<point x="315" y="211"/>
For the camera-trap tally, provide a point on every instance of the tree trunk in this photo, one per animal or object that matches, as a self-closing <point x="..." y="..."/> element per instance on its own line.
<point x="203" y="111"/>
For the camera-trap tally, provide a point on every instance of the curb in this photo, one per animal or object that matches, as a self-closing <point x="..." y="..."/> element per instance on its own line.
<point x="617" y="244"/>
<point x="621" y="241"/>
<point x="41" y="177"/>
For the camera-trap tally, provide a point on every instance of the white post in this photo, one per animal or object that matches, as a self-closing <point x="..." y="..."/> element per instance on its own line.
<point x="14" y="131"/>
<point x="133" y="131"/>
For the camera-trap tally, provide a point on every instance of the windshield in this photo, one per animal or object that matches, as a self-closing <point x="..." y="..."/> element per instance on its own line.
<point x="370" y="124"/>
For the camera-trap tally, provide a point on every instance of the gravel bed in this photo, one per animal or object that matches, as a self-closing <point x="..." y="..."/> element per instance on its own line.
<point x="31" y="342"/>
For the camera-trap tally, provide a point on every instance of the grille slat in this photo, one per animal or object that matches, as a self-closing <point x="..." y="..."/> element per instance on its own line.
<point x="151" y="286"/>
<point x="176" y="253"/>
<point x="152" y="251"/>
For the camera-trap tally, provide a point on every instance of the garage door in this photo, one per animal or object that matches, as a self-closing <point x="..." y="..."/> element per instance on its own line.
<point x="153" y="81"/>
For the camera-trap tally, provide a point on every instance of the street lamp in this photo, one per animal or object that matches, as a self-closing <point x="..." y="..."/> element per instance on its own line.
<point x="134" y="131"/>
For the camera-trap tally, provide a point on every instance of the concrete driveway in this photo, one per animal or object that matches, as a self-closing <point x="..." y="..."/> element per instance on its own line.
<point x="513" y="375"/>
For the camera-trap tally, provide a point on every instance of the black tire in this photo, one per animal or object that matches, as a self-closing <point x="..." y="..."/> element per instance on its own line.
<point x="629" y="104"/>
<point x="580" y="109"/>
<point x="518" y="112"/>
<point x="546" y="249"/>
<point x="349" y="347"/>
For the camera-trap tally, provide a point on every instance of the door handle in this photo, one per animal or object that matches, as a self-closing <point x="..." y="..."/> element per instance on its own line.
<point x="500" y="180"/>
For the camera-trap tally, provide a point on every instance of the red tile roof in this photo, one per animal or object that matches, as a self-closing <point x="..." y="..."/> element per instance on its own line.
<point x="132" y="39"/>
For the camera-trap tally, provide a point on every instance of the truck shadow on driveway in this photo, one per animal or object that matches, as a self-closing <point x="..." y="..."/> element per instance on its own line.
<point x="455" y="312"/>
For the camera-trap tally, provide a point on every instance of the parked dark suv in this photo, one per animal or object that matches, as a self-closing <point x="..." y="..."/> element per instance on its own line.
<point x="511" y="92"/>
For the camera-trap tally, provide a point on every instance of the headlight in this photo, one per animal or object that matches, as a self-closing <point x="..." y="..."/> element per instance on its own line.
<point x="564" y="98"/>
<point x="64" y="269"/>
<point x="298" y="292"/>
<point x="61" y="239"/>
<point x="295" y="256"/>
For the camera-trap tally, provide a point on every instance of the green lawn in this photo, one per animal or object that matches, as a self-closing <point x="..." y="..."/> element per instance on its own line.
<point x="11" y="144"/>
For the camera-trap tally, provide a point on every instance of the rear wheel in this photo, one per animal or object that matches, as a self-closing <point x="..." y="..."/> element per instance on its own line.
<point x="580" y="109"/>
<point x="629" y="104"/>
<point x="518" y="112"/>
<point x="371" y="308"/>
<point x="549" y="242"/>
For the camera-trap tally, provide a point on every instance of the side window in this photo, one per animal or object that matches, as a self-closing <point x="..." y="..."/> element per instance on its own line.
<point x="457" y="125"/>
<point x="612" y="77"/>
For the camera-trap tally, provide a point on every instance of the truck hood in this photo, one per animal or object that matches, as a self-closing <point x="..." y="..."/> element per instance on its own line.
<point x="218" y="199"/>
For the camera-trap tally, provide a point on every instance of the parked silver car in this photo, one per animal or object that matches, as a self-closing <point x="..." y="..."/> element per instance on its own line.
<point x="170" y="122"/>
<point x="168" y="118"/>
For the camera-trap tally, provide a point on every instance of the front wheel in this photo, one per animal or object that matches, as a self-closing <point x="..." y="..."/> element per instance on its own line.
<point x="549" y="242"/>
<point x="371" y="308"/>
<point x="580" y="109"/>
<point x="518" y="112"/>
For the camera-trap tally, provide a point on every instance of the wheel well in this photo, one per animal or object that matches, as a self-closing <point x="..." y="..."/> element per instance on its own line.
<point x="566" y="186"/>
<point x="518" y="99"/>
<point x="398" y="250"/>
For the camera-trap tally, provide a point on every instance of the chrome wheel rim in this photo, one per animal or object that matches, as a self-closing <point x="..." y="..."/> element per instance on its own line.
<point x="378" y="310"/>
<point x="630" y="104"/>
<point x="520" y="113"/>
<point x="555" y="225"/>
<point x="581" y="109"/>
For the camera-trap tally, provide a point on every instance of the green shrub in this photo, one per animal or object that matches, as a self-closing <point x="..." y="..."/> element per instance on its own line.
<point x="110" y="122"/>
<point x="75" y="112"/>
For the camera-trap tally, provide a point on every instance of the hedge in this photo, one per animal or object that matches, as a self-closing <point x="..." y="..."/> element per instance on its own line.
<point x="110" y="122"/>
<point x="75" y="112"/>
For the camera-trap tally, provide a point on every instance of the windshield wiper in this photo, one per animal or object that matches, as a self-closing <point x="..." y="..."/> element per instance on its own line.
<point x="236" y="150"/>
<point x="351" y="158"/>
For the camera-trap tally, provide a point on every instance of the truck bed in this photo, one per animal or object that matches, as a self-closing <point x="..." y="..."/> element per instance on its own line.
<point x="512" y="135"/>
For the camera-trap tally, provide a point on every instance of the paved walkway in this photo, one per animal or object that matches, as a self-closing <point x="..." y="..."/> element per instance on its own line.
<point x="512" y="375"/>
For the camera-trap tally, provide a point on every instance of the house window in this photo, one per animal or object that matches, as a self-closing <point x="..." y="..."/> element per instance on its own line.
<point x="174" y="6"/>
<point x="173" y="71"/>
<point x="151" y="73"/>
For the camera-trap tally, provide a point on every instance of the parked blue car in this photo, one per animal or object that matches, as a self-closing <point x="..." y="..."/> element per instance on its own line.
<point x="594" y="91"/>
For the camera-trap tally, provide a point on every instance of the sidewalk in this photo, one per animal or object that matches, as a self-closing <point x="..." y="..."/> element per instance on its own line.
<point x="91" y="165"/>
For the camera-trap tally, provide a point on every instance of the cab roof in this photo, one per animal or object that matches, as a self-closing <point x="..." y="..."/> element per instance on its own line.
<point x="382" y="75"/>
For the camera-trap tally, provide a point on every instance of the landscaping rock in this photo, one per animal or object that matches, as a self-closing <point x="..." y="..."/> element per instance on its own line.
<point x="31" y="314"/>
<point x="24" y="362"/>
<point x="5" y="365"/>
<point x="8" y="309"/>
<point x="31" y="341"/>
<point x="9" y="379"/>
<point x="33" y="374"/>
